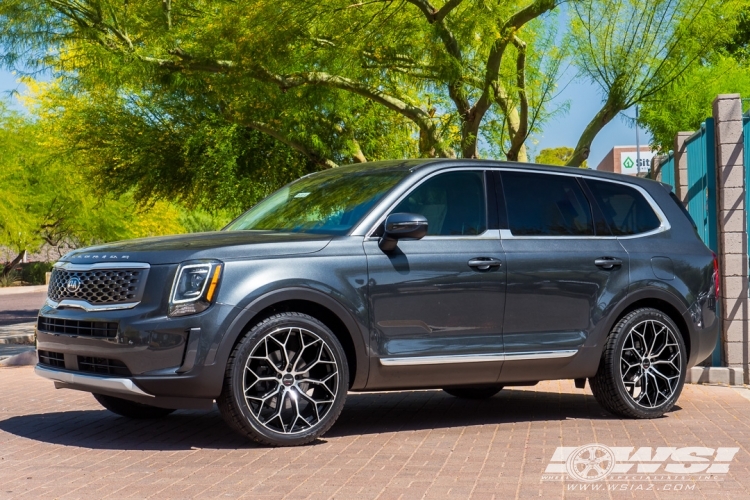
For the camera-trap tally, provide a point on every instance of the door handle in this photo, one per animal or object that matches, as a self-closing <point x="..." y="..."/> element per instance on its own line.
<point x="484" y="263"/>
<point x="608" y="262"/>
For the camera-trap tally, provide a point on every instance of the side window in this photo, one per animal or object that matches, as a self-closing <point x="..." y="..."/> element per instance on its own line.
<point x="454" y="203"/>
<point x="626" y="210"/>
<point x="546" y="205"/>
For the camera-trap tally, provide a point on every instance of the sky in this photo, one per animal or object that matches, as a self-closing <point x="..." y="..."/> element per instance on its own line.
<point x="584" y="101"/>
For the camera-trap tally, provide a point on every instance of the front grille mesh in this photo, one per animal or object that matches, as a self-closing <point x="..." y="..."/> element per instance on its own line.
<point x="102" y="365"/>
<point x="99" y="286"/>
<point x="98" y="329"/>
<point x="49" y="358"/>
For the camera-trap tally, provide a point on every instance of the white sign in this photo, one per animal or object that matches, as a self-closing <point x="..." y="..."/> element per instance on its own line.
<point x="629" y="163"/>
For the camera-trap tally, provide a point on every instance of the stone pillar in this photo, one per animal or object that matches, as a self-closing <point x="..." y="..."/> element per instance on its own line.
<point x="732" y="227"/>
<point x="680" y="166"/>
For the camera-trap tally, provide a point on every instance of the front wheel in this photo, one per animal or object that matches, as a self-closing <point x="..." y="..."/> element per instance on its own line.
<point x="643" y="367"/>
<point x="286" y="381"/>
<point x="131" y="409"/>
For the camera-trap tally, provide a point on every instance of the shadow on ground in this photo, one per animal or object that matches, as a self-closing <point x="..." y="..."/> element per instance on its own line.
<point x="363" y="414"/>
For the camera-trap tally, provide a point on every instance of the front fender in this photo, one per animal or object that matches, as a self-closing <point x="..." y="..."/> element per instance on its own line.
<point x="244" y="319"/>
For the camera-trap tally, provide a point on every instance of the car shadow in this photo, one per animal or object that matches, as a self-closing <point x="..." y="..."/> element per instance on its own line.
<point x="365" y="413"/>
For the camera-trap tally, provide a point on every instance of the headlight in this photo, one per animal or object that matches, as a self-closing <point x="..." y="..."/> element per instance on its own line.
<point x="194" y="287"/>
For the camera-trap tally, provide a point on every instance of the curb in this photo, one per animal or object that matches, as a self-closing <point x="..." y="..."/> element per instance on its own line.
<point x="714" y="375"/>
<point x="26" y="358"/>
<point x="15" y="290"/>
<point x="22" y="339"/>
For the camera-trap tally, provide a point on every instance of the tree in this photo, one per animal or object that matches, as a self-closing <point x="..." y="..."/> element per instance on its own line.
<point x="685" y="103"/>
<point x="47" y="200"/>
<point x="557" y="156"/>
<point x="333" y="81"/>
<point x="634" y="50"/>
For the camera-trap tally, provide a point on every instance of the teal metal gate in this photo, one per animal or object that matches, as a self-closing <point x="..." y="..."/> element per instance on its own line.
<point x="701" y="195"/>
<point x="667" y="170"/>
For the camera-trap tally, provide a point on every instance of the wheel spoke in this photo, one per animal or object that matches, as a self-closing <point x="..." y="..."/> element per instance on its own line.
<point x="650" y="363"/>
<point x="297" y="396"/>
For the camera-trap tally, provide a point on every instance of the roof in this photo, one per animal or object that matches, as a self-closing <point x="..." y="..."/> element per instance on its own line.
<point x="438" y="163"/>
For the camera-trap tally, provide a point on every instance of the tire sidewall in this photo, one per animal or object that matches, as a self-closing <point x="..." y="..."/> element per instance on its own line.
<point x="616" y="369"/>
<point x="246" y="347"/>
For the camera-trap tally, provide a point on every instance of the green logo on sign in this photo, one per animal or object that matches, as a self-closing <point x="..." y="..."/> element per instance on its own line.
<point x="628" y="163"/>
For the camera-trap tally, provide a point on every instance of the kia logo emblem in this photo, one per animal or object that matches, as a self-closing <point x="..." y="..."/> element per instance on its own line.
<point x="74" y="284"/>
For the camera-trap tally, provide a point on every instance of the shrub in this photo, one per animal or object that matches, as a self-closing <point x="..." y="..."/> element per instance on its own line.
<point x="34" y="272"/>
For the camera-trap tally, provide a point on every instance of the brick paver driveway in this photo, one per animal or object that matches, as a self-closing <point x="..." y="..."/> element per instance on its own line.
<point x="61" y="444"/>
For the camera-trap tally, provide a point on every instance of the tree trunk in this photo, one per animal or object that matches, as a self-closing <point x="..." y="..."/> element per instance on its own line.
<point x="469" y="132"/>
<point x="9" y="267"/>
<point x="602" y="118"/>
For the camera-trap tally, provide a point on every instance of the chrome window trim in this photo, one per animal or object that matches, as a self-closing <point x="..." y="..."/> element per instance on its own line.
<point x="664" y="225"/>
<point x="78" y="380"/>
<point x="112" y="266"/>
<point x="489" y="234"/>
<point x="82" y="304"/>
<point x="476" y="358"/>
<point x="424" y="179"/>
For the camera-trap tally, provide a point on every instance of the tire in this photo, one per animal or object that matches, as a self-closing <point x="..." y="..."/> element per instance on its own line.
<point x="480" y="392"/>
<point x="643" y="367"/>
<point x="287" y="405"/>
<point x="131" y="409"/>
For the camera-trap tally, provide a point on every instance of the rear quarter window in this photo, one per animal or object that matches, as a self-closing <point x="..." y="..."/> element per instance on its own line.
<point x="626" y="210"/>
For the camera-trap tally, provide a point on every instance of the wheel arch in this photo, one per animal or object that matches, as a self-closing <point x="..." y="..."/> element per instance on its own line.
<point x="313" y="303"/>
<point x="660" y="300"/>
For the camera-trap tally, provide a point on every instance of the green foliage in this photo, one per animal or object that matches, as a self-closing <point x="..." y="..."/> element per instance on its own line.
<point x="200" y="221"/>
<point x="34" y="273"/>
<point x="8" y="279"/>
<point x="685" y="104"/>
<point x="48" y="197"/>
<point x="216" y="104"/>
<point x="557" y="156"/>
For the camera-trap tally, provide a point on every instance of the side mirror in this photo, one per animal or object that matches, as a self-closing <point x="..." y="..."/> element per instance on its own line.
<point x="399" y="226"/>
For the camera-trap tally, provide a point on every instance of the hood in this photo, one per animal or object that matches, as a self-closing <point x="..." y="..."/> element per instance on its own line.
<point x="222" y="245"/>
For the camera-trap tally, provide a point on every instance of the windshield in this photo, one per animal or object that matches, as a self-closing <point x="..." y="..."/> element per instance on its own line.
<point x="329" y="202"/>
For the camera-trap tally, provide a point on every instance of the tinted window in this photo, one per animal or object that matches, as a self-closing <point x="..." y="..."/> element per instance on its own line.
<point x="453" y="203"/>
<point x="625" y="209"/>
<point x="546" y="205"/>
<point x="329" y="202"/>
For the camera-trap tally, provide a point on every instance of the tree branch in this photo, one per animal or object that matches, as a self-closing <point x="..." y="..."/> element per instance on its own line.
<point x="518" y="139"/>
<point x="297" y="146"/>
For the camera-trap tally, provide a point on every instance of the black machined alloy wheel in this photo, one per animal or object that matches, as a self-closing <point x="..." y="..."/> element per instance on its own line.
<point x="643" y="367"/>
<point x="286" y="381"/>
<point x="479" y="392"/>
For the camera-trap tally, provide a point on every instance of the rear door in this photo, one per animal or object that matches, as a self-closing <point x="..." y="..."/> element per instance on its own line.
<point x="565" y="271"/>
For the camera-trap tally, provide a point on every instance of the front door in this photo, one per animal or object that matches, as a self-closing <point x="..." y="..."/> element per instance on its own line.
<point x="565" y="272"/>
<point x="436" y="311"/>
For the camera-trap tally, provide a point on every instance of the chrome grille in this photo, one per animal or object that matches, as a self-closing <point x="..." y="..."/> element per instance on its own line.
<point x="97" y="286"/>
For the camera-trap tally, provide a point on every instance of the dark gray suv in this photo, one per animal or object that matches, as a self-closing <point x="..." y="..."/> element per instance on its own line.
<point x="462" y="275"/>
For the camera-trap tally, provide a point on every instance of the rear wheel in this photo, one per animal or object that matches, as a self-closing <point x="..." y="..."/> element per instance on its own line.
<point x="480" y="392"/>
<point x="285" y="382"/>
<point x="131" y="409"/>
<point x="643" y="367"/>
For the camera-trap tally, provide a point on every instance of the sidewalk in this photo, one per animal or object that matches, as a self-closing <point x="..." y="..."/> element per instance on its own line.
<point x="16" y="339"/>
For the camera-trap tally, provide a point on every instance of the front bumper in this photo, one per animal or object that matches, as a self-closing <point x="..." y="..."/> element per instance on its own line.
<point x="153" y="353"/>
<point x="91" y="383"/>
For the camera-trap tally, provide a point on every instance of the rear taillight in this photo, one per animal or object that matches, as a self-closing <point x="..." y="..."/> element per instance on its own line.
<point x="716" y="274"/>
